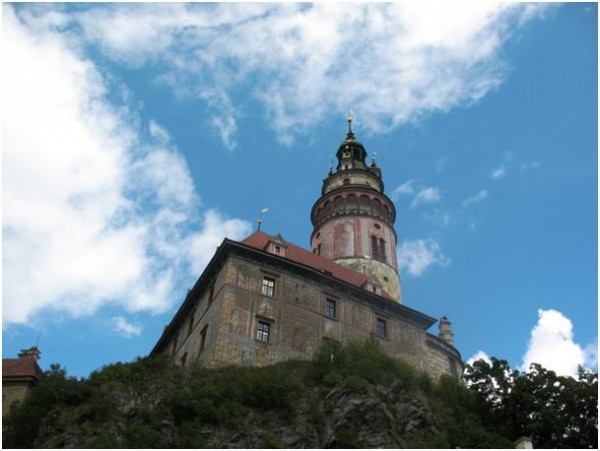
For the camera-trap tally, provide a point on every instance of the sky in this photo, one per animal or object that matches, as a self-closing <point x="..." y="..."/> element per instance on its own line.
<point x="135" y="137"/>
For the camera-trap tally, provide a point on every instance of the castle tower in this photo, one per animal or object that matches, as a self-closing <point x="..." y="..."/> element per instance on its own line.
<point x="353" y="220"/>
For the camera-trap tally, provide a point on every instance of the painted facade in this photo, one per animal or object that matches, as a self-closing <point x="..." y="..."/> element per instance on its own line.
<point x="236" y="316"/>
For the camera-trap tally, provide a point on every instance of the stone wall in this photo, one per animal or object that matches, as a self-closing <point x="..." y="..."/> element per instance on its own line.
<point x="298" y="322"/>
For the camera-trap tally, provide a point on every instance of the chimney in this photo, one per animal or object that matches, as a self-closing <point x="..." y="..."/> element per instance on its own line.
<point x="32" y="352"/>
<point x="524" y="443"/>
<point x="446" y="333"/>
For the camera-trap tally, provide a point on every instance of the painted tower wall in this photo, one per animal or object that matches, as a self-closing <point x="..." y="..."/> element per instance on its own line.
<point x="354" y="228"/>
<point x="348" y="241"/>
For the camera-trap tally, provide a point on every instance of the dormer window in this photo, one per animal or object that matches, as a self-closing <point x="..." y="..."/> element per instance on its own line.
<point x="277" y="246"/>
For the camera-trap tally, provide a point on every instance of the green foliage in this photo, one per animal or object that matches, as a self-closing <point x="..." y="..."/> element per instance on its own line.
<point x="555" y="411"/>
<point x="359" y="364"/>
<point x="151" y="403"/>
<point x="269" y="442"/>
<point x="346" y="439"/>
<point x="22" y="425"/>
<point x="454" y="409"/>
<point x="225" y="395"/>
<point x="189" y="436"/>
<point x="144" y="436"/>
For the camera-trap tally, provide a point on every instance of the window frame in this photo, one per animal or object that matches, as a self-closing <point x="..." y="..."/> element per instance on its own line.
<point x="374" y="247"/>
<point x="381" y="325"/>
<point x="203" y="334"/>
<point x="267" y="287"/>
<point x="262" y="334"/>
<point x="330" y="308"/>
<point x="191" y="322"/>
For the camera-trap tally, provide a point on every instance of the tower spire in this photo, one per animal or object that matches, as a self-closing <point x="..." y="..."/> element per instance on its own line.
<point x="350" y="119"/>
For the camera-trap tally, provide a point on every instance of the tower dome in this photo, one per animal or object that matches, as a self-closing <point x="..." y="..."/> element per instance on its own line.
<point x="353" y="220"/>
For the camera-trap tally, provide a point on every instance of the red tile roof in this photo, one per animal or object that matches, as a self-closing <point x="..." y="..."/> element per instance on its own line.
<point x="21" y="368"/>
<point x="260" y="240"/>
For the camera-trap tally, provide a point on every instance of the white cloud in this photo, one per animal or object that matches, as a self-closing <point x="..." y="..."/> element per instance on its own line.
<point x="203" y="245"/>
<point x="479" y="355"/>
<point x="427" y="196"/>
<point x="530" y="166"/>
<point x="92" y="213"/>
<point x="125" y="328"/>
<point x="417" y="255"/>
<point x="477" y="198"/>
<point x="551" y="344"/>
<point x="422" y="57"/>
<point x="404" y="189"/>
<point x="499" y="173"/>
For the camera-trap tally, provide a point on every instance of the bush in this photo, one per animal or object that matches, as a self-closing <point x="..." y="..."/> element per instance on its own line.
<point x="336" y="365"/>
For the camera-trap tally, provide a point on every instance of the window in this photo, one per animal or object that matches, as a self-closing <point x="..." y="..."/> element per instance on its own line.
<point x="381" y="328"/>
<point x="211" y="295"/>
<point x="374" y="248"/>
<point x="268" y="286"/>
<point x="263" y="329"/>
<point x="174" y="350"/>
<point x="382" y="249"/>
<point x="183" y="359"/>
<point x="277" y="249"/>
<point x="203" y="338"/>
<point x="330" y="307"/>
<point x="452" y="365"/>
<point x="191" y="322"/>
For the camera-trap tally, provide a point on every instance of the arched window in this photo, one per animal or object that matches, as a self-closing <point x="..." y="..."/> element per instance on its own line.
<point x="382" y="249"/>
<point x="363" y="204"/>
<point x="352" y="202"/>
<point x="374" y="248"/>
<point x="387" y="215"/>
<point x="377" y="206"/>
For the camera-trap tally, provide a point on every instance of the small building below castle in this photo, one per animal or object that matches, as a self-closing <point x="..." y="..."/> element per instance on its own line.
<point x="265" y="300"/>
<point x="19" y="376"/>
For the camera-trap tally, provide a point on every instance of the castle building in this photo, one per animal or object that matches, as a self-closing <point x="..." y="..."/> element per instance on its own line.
<point x="264" y="300"/>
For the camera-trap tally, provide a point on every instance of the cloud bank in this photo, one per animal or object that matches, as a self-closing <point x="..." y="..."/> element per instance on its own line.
<point x="95" y="210"/>
<point x="392" y="63"/>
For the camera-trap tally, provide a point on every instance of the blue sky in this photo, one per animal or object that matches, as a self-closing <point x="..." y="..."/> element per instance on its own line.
<point x="136" y="137"/>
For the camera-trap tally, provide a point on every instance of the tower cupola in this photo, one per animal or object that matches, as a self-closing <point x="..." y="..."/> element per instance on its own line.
<point x="351" y="153"/>
<point x="353" y="220"/>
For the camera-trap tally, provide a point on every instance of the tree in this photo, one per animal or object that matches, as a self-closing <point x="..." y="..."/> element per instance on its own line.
<point x="555" y="411"/>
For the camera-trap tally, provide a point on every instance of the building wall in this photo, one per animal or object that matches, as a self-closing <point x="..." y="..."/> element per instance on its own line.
<point x="13" y="392"/>
<point x="298" y="322"/>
